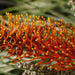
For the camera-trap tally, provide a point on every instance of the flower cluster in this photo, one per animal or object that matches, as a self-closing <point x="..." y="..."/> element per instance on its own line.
<point x="38" y="38"/>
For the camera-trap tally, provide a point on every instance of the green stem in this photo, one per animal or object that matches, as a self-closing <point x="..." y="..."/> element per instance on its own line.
<point x="58" y="73"/>
<point x="61" y="72"/>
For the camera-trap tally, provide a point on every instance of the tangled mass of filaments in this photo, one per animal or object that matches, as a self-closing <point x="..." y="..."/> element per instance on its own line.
<point x="38" y="38"/>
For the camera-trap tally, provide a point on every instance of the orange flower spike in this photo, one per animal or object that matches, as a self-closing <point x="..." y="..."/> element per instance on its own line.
<point x="50" y="39"/>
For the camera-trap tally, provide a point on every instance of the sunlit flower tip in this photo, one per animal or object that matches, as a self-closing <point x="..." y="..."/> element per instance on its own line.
<point x="41" y="68"/>
<point x="11" y="63"/>
<point x="51" y="67"/>
<point x="36" y="57"/>
<point x="73" y="62"/>
<point x="2" y="57"/>
<point x="6" y="51"/>
<point x="21" y="60"/>
<point x="11" y="60"/>
<point x="51" y="59"/>
<point x="56" y="52"/>
<point x="36" y="64"/>
<point x="66" y="66"/>
<point x="56" y="68"/>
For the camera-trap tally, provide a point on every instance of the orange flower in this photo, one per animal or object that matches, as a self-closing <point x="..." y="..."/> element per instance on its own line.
<point x="43" y="39"/>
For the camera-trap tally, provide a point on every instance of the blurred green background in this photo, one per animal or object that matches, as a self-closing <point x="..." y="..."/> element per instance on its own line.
<point x="48" y="8"/>
<point x="57" y="9"/>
